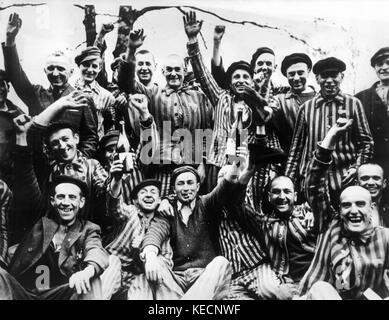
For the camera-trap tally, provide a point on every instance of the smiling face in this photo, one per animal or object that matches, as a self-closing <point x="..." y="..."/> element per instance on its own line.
<point x="382" y="70"/>
<point x="355" y="209"/>
<point x="90" y="69"/>
<point x="282" y="195"/>
<point x="148" y="199"/>
<point x="186" y="187"/>
<point x="239" y="78"/>
<point x="58" y="70"/>
<point x="371" y="177"/>
<point x="297" y="75"/>
<point x="174" y="71"/>
<point x="67" y="201"/>
<point x="329" y="83"/>
<point x="145" y="67"/>
<point x="63" y="145"/>
<point x="265" y="64"/>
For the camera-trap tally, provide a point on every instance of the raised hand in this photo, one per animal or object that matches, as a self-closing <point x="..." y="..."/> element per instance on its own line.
<point x="106" y="28"/>
<point x="191" y="25"/>
<point x="74" y="100"/>
<point x="140" y="102"/>
<point x="218" y="33"/>
<point x="22" y="123"/>
<point x="13" y="26"/>
<point x="136" y="39"/>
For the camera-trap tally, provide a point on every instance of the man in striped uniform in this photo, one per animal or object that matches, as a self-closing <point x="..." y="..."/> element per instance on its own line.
<point x="295" y="67"/>
<point x="242" y="243"/>
<point x="5" y="204"/>
<point x="89" y="61"/>
<point x="178" y="111"/>
<point x="133" y="221"/>
<point x="227" y="104"/>
<point x="352" y="252"/>
<point x="315" y="118"/>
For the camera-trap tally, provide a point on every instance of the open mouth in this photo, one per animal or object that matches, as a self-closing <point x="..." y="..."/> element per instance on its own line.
<point x="66" y="210"/>
<point x="148" y="201"/>
<point x="355" y="219"/>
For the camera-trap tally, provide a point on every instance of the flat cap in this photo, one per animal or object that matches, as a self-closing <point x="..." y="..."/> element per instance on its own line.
<point x="293" y="59"/>
<point x="89" y="53"/>
<point x="238" y="65"/>
<point x="380" y="54"/>
<point x="258" y="52"/>
<point x="183" y="169"/>
<point x="145" y="183"/>
<point x="110" y="138"/>
<point x="69" y="179"/>
<point x="329" y="64"/>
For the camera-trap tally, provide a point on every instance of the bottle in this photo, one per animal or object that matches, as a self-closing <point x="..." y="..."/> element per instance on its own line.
<point x="123" y="150"/>
<point x="234" y="139"/>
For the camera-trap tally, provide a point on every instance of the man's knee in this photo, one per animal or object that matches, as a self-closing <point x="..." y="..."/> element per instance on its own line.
<point x="220" y="263"/>
<point x="322" y="290"/>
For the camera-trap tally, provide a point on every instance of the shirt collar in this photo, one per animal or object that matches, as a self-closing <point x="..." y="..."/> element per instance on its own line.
<point x="338" y="99"/>
<point x="93" y="86"/>
<point x="184" y="89"/>
<point x="78" y="159"/>
<point x="191" y="205"/>
<point x="363" y="238"/>
<point x="291" y="94"/>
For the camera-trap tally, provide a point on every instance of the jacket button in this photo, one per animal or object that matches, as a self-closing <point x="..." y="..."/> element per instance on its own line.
<point x="29" y="250"/>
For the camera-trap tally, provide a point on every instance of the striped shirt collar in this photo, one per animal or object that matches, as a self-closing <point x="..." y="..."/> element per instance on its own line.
<point x="93" y="86"/>
<point x="183" y="89"/>
<point x="291" y="94"/>
<point x="191" y="205"/>
<point x="338" y="99"/>
<point x="363" y="238"/>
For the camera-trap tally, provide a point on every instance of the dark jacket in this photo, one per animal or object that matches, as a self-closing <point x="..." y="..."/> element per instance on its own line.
<point x="378" y="118"/>
<point x="81" y="247"/>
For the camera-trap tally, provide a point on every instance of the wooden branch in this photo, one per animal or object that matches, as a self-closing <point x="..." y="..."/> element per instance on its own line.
<point x="23" y="5"/>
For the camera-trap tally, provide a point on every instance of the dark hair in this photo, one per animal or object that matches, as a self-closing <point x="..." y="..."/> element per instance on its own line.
<point x="54" y="127"/>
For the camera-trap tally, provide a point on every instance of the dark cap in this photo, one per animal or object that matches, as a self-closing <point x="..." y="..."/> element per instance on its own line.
<point x="145" y="183"/>
<point x="257" y="53"/>
<point x="89" y="53"/>
<point x="69" y="179"/>
<point x="116" y="63"/>
<point x="184" y="169"/>
<point x="380" y="54"/>
<point x="238" y="65"/>
<point x="329" y="64"/>
<point x="110" y="138"/>
<point x="293" y="59"/>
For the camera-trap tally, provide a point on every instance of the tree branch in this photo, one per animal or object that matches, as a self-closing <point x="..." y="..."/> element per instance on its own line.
<point x="23" y="5"/>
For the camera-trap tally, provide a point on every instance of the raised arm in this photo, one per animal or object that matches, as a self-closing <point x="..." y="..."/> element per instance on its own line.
<point x="217" y="68"/>
<point x="127" y="81"/>
<point x="102" y="78"/>
<point x="202" y="74"/>
<point x="19" y="80"/>
<point x="297" y="147"/>
<point x="316" y="182"/>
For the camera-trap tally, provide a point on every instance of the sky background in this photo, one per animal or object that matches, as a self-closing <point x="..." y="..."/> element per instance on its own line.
<point x="350" y="30"/>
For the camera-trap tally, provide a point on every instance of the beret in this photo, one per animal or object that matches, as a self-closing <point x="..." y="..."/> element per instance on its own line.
<point x="293" y="59"/>
<point x="238" y="65"/>
<point x="257" y="53"/>
<point x="145" y="183"/>
<point x="116" y="63"/>
<point x="183" y="169"/>
<point x="69" y="179"/>
<point x="329" y="64"/>
<point x="381" y="53"/>
<point x="89" y="53"/>
<point x="109" y="138"/>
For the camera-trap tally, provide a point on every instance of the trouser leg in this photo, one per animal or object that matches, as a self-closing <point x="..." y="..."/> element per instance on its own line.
<point x="11" y="289"/>
<point x="111" y="278"/>
<point x="322" y="290"/>
<point x="213" y="283"/>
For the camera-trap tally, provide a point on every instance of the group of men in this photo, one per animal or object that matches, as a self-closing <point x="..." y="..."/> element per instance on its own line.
<point x="297" y="210"/>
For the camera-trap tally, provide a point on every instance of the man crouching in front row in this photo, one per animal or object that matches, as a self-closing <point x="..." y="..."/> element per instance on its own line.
<point x="62" y="257"/>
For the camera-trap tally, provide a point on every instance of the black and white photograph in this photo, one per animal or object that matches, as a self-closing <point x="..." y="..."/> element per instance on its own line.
<point x="222" y="150"/>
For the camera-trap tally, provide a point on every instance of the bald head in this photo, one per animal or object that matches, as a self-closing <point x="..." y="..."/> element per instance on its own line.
<point x="355" y="192"/>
